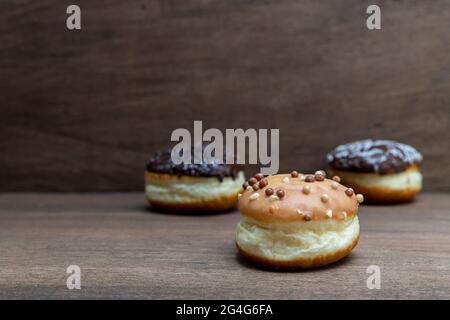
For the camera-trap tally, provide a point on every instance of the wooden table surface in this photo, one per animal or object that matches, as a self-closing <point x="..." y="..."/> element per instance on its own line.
<point x="125" y="250"/>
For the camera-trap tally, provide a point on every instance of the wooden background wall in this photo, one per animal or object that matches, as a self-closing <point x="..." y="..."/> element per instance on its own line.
<point x="82" y="111"/>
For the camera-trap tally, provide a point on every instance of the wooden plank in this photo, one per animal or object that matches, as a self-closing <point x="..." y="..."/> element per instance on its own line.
<point x="128" y="251"/>
<point x="82" y="111"/>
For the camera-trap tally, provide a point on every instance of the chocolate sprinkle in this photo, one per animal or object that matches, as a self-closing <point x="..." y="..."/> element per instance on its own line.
<point x="349" y="192"/>
<point x="307" y="215"/>
<point x="263" y="183"/>
<point x="280" y="193"/>
<point x="259" y="176"/>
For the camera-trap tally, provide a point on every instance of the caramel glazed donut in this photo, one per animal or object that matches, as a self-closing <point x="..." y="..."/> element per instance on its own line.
<point x="294" y="221"/>
<point x="206" y="187"/>
<point x="384" y="171"/>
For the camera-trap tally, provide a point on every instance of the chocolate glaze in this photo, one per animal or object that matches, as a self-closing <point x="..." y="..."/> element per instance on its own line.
<point x="376" y="156"/>
<point x="161" y="162"/>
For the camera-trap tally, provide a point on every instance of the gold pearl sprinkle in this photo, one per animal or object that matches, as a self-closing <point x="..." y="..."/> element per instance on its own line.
<point x="329" y="213"/>
<point x="286" y="180"/>
<point x="306" y="189"/>
<point x="302" y="178"/>
<point x="273" y="208"/>
<point x="299" y="211"/>
<point x="319" y="175"/>
<point x="359" y="198"/>
<point x="239" y="195"/>
<point x="337" y="178"/>
<point x="274" y="197"/>
<point x="324" y="198"/>
<point x="344" y="214"/>
<point x="249" y="188"/>
<point x="254" y="196"/>
<point x="334" y="185"/>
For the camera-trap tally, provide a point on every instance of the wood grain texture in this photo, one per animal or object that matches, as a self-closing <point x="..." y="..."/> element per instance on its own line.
<point x="82" y="111"/>
<point x="128" y="251"/>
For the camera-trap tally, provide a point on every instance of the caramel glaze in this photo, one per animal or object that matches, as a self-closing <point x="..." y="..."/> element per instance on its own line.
<point x="295" y="203"/>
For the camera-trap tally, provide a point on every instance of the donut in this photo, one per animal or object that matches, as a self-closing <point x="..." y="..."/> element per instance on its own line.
<point x="204" y="187"/>
<point x="297" y="221"/>
<point x="384" y="171"/>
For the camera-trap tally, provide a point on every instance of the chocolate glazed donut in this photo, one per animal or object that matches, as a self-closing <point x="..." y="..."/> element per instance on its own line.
<point x="384" y="171"/>
<point x="206" y="187"/>
<point x="161" y="162"/>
